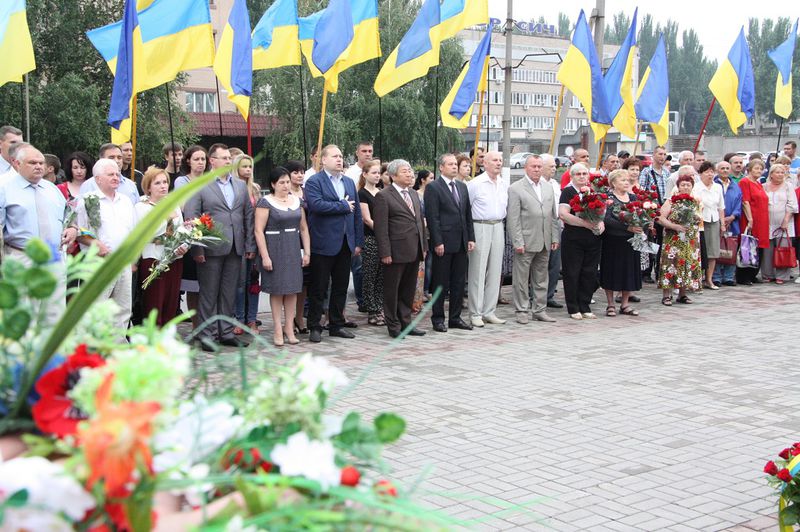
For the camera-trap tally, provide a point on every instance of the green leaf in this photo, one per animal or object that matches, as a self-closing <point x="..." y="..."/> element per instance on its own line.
<point x="790" y="515"/>
<point x="389" y="427"/>
<point x="12" y="268"/>
<point x="38" y="251"/>
<point x="9" y="296"/>
<point x="40" y="282"/>
<point x="15" y="323"/>
<point x="18" y="499"/>
<point x="351" y="422"/>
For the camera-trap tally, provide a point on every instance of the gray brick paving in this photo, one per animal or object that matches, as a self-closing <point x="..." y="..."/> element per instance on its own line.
<point x="658" y="422"/>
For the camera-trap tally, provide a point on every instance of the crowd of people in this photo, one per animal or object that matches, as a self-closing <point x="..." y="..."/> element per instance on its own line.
<point x="401" y="235"/>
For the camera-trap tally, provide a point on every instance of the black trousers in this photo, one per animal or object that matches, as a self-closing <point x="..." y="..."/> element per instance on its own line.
<point x="748" y="275"/>
<point x="659" y="239"/>
<point x="579" y="260"/>
<point x="399" y="287"/>
<point x="335" y="269"/>
<point x="449" y="272"/>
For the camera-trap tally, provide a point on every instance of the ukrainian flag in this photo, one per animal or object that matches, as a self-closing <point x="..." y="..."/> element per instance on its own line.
<point x="233" y="64"/>
<point x="619" y="84"/>
<point x="581" y="73"/>
<point x="782" y="57"/>
<point x="456" y="109"/>
<point x="16" y="48"/>
<point x="176" y="36"/>
<point x="418" y="50"/>
<point x="652" y="101"/>
<point x="276" y="38"/>
<point x="733" y="84"/>
<point x="340" y="36"/>
<point x="129" y="67"/>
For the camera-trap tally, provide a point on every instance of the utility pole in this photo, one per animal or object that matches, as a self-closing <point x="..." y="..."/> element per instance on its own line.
<point x="599" y="20"/>
<point x="507" y="88"/>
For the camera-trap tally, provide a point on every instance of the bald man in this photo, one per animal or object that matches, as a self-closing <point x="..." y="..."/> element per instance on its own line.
<point x="579" y="156"/>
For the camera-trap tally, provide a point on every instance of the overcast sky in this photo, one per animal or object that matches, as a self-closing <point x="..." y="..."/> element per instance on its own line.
<point x="717" y="24"/>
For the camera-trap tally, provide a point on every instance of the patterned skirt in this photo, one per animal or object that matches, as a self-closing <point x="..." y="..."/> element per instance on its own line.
<point x="373" y="276"/>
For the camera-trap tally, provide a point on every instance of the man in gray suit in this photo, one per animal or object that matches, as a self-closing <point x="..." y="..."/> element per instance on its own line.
<point x="533" y="228"/>
<point x="227" y="201"/>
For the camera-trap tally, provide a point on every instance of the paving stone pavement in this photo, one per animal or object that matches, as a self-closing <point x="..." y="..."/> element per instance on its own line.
<point x="657" y="422"/>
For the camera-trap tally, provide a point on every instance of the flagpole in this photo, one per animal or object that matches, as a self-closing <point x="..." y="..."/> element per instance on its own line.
<point x="705" y="123"/>
<point x="555" y="124"/>
<point x="780" y="132"/>
<point x="477" y="135"/>
<point x="27" y="110"/>
<point x="636" y="143"/>
<point x="249" y="137"/>
<point x="436" y="116"/>
<point x="488" y="110"/>
<point x="380" y="128"/>
<point x="600" y="152"/>
<point x="171" y="131"/>
<point x="133" y="135"/>
<point x="219" y="106"/>
<point x="321" y="127"/>
<point x="303" y="117"/>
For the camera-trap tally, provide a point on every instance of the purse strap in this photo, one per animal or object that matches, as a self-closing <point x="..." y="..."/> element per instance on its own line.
<point x="782" y="234"/>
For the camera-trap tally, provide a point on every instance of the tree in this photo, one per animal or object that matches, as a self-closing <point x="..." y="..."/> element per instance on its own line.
<point x="564" y="25"/>
<point x="762" y="38"/>
<point x="70" y="89"/>
<point x="618" y="29"/>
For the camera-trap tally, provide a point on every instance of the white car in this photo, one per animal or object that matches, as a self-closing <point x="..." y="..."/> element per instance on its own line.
<point x="518" y="159"/>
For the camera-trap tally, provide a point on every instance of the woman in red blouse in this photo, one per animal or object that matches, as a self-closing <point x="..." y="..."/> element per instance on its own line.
<point x="755" y="216"/>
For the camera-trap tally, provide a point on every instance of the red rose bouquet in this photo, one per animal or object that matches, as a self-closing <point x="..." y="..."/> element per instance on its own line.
<point x="589" y="206"/>
<point x="641" y="214"/>
<point x="684" y="210"/>
<point x="784" y="476"/>
<point x="599" y="183"/>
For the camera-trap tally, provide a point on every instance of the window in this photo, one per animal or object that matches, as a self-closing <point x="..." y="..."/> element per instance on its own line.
<point x="495" y="121"/>
<point x="523" y="75"/>
<point x="201" y="102"/>
<point x="572" y="124"/>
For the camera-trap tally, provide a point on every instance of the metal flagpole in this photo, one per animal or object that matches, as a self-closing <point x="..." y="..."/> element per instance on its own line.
<point x="249" y="137"/>
<point x="27" y="110"/>
<point x="780" y="132"/>
<point x="488" y="111"/>
<point x="436" y="116"/>
<point x="133" y="135"/>
<point x="219" y="106"/>
<point x="171" y="131"/>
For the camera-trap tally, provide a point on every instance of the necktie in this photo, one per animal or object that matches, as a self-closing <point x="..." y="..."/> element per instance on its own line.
<point x="455" y="192"/>
<point x="41" y="213"/>
<point x="407" y="199"/>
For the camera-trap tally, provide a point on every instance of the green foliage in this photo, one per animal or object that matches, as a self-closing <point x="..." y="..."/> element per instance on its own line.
<point x="564" y="25"/>
<point x="618" y="29"/>
<point x="389" y="427"/>
<point x="763" y="36"/>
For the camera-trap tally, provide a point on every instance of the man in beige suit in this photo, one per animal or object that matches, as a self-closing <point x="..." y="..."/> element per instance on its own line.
<point x="533" y="228"/>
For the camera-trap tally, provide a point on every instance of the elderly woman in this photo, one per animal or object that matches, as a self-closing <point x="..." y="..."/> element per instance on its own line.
<point x="580" y="248"/>
<point x="712" y="205"/>
<point x="782" y="206"/>
<point x="724" y="273"/>
<point x="755" y="216"/>
<point x="680" y="256"/>
<point x="620" y="265"/>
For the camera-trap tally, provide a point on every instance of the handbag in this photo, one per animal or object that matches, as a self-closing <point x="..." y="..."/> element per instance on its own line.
<point x="783" y="256"/>
<point x="748" y="251"/>
<point x="728" y="246"/>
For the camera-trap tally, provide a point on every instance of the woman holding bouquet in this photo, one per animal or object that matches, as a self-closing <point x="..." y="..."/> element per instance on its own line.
<point x="161" y="294"/>
<point x="620" y="264"/>
<point x="279" y="217"/>
<point x="680" y="256"/>
<point x="755" y="216"/>
<point x="580" y="246"/>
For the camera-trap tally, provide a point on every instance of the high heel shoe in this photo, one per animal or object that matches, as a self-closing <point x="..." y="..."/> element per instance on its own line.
<point x="292" y="341"/>
<point x="300" y="330"/>
<point x="277" y="342"/>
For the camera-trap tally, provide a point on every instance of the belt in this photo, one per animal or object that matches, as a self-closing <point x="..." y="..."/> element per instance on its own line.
<point x="488" y="222"/>
<point x="290" y="230"/>
<point x="12" y="246"/>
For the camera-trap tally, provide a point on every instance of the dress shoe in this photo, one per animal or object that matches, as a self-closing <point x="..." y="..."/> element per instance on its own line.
<point x="234" y="342"/>
<point x="351" y="325"/>
<point x="542" y="316"/>
<point x="440" y="327"/>
<point x="416" y="332"/>
<point x="394" y="334"/>
<point x="522" y="318"/>
<point x="494" y="320"/>
<point x="476" y="322"/>
<point x="460" y="324"/>
<point x="315" y="336"/>
<point x="729" y="283"/>
<point x="341" y="333"/>
<point x="554" y="304"/>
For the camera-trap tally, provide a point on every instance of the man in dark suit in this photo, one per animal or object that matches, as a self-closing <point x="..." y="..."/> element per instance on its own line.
<point x="400" y="233"/>
<point x="227" y="201"/>
<point x="452" y="236"/>
<point x="337" y="234"/>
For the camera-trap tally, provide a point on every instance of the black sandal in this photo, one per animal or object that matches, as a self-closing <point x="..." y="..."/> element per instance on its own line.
<point x="684" y="299"/>
<point x="611" y="311"/>
<point x="666" y="301"/>
<point x="628" y="311"/>
<point x="299" y="330"/>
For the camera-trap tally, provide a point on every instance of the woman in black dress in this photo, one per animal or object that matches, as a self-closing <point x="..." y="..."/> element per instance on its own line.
<point x="620" y="264"/>
<point x="371" y="264"/>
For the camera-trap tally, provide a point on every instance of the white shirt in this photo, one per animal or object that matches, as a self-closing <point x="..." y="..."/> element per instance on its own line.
<point x="5" y="166"/>
<point x="151" y="250"/>
<point x="126" y="187"/>
<point x="712" y="199"/>
<point x="117" y="219"/>
<point x="489" y="198"/>
<point x="354" y="172"/>
<point x="537" y="187"/>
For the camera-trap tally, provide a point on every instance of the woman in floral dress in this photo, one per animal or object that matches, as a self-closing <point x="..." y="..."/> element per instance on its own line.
<point x="680" y="257"/>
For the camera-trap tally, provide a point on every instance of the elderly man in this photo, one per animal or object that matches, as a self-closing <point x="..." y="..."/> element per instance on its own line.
<point x="725" y="274"/>
<point x="337" y="234"/>
<point x="452" y="235"/>
<point x="534" y="229"/>
<point x="656" y="175"/>
<point x="126" y="187"/>
<point x="488" y="197"/>
<point x="685" y="158"/>
<point x="32" y="207"/>
<point x="400" y="232"/>
<point x="578" y="156"/>
<point x="9" y="135"/>
<point x="106" y="221"/>
<point x="554" y="261"/>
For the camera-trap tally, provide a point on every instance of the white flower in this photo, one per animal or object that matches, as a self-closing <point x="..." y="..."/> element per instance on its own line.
<point x="52" y="495"/>
<point x="317" y="372"/>
<point x="197" y="430"/>
<point x="237" y="525"/>
<point x="313" y="460"/>
<point x="331" y="425"/>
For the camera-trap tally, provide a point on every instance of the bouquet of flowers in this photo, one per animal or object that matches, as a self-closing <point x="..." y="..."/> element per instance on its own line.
<point x="599" y="183"/>
<point x="195" y="232"/>
<point x="784" y="476"/>
<point x="639" y="213"/>
<point x="91" y="203"/>
<point x="590" y="206"/>
<point x="684" y="210"/>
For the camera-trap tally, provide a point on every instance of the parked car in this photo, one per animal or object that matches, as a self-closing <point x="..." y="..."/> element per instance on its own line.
<point x="518" y="159"/>
<point x="563" y="160"/>
<point x="746" y="155"/>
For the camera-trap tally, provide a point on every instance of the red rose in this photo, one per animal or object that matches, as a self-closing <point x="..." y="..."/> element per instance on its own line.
<point x="265" y="466"/>
<point x="350" y="476"/>
<point x="384" y="487"/>
<point x="770" y="468"/>
<point x="784" y="475"/>
<point x="785" y="453"/>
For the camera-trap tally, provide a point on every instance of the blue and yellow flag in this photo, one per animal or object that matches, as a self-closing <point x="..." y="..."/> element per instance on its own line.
<point x="733" y="84"/>
<point x="129" y="67"/>
<point x="456" y="109"/>
<point x="581" y="73"/>
<point x="276" y="37"/>
<point x="176" y="36"/>
<point x="652" y="101"/>
<point x="782" y="57"/>
<point x="619" y="84"/>
<point x="418" y="50"/>
<point x="16" y="47"/>
<point x="233" y="64"/>
<point x="340" y="36"/>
